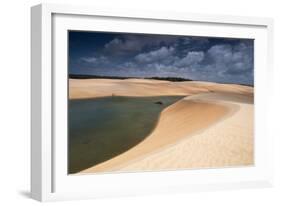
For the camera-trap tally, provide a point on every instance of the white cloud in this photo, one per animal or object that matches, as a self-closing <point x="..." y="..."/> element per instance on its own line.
<point x="231" y="60"/>
<point x="155" y="55"/>
<point x="190" y="59"/>
<point x="113" y="43"/>
<point x="89" y="59"/>
<point x="119" y="46"/>
<point x="95" y="60"/>
<point x="220" y="53"/>
<point x="128" y="65"/>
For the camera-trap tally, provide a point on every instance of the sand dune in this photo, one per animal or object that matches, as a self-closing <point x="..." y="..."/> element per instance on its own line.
<point x="229" y="142"/>
<point x="88" y="88"/>
<point x="211" y="127"/>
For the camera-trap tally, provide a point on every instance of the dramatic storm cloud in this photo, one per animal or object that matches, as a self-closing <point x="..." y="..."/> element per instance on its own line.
<point x="145" y="55"/>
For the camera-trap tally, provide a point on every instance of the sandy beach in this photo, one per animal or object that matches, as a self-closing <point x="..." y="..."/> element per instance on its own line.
<point x="212" y="126"/>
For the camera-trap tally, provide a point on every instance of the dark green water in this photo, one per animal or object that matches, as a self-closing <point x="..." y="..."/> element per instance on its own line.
<point x="102" y="128"/>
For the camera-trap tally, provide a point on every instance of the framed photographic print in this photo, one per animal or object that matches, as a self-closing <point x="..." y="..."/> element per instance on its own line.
<point x="134" y="102"/>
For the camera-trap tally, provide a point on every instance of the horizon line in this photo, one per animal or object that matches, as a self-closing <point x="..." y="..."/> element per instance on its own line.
<point x="171" y="78"/>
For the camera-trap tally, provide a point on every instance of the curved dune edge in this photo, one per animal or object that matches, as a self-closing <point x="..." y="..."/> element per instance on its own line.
<point x="182" y="120"/>
<point x="228" y="143"/>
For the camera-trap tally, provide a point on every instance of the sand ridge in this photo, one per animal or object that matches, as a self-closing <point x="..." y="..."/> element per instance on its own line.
<point x="89" y="88"/>
<point x="228" y="143"/>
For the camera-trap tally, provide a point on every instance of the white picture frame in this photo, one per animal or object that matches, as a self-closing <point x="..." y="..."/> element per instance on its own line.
<point x="49" y="180"/>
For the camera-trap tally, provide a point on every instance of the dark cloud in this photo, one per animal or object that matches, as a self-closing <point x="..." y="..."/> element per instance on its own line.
<point x="198" y="58"/>
<point x="122" y="44"/>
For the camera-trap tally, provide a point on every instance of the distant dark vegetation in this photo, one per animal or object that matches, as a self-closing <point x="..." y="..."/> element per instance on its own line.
<point x="86" y="76"/>
<point x="249" y="85"/>
<point x="172" y="79"/>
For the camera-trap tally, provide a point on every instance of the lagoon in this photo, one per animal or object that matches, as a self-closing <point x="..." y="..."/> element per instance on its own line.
<point x="102" y="128"/>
